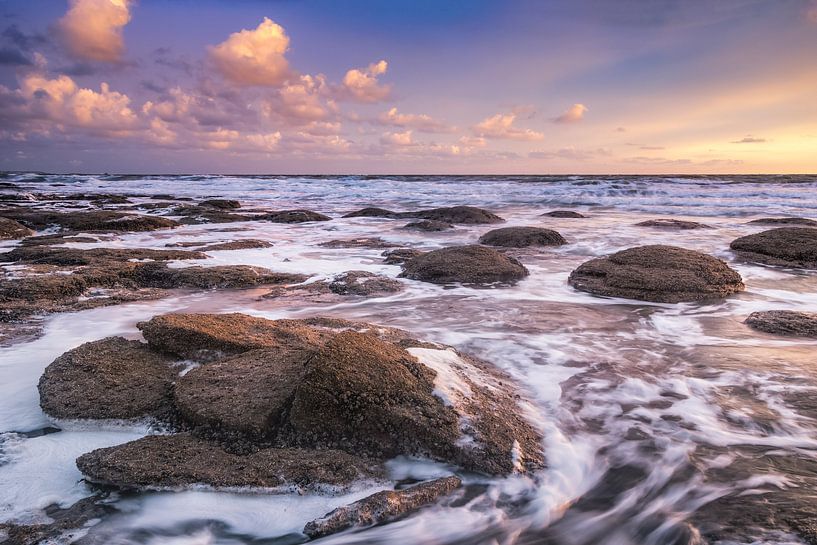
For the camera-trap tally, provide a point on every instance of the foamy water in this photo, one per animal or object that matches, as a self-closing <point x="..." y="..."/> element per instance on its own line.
<point x="659" y="390"/>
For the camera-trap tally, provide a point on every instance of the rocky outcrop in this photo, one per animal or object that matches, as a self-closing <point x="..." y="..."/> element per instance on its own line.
<point x="245" y="244"/>
<point x="464" y="264"/>
<point x="784" y="322"/>
<point x="292" y="216"/>
<point x="226" y="204"/>
<point x="363" y="283"/>
<point x="109" y="379"/>
<point x="363" y="242"/>
<point x="381" y="507"/>
<point x="100" y="220"/>
<point x="794" y="247"/>
<point x="563" y="214"/>
<point x="13" y="230"/>
<point x="678" y="225"/>
<point x="372" y="212"/>
<point x="522" y="237"/>
<point x="169" y="461"/>
<point x="428" y="226"/>
<point x="803" y="222"/>
<point x="51" y="255"/>
<point x="400" y="255"/>
<point x="158" y="275"/>
<point x="456" y="214"/>
<point x="665" y="274"/>
<point x="61" y="521"/>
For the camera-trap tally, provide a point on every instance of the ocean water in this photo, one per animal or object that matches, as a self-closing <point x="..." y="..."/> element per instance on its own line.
<point x="649" y="411"/>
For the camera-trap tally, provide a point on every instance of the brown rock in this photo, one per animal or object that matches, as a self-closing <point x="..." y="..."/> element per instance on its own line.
<point x="167" y="461"/>
<point x="227" y="204"/>
<point x="364" y="242"/>
<point x="113" y="378"/>
<point x="381" y="507"/>
<point x="663" y="274"/>
<point x="804" y="222"/>
<point x="12" y="230"/>
<point x="563" y="214"/>
<point x="794" y="247"/>
<point x="465" y="264"/>
<point x="784" y="322"/>
<point x="159" y="275"/>
<point x="428" y="225"/>
<point x="364" y="284"/>
<point x="63" y="520"/>
<point x="99" y="220"/>
<point x="293" y="216"/>
<point x="522" y="237"/>
<point x="51" y="255"/>
<point x="673" y="224"/>
<point x="372" y="212"/>
<point x="246" y="244"/>
<point x="456" y="214"/>
<point x="400" y="255"/>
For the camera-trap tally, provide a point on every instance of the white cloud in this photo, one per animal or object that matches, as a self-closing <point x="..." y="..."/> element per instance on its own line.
<point x="254" y="57"/>
<point x="362" y="85"/>
<point x="92" y="29"/>
<point x="573" y="114"/>
<point x="500" y="126"/>
<point x="398" y="139"/>
<point x="418" y="122"/>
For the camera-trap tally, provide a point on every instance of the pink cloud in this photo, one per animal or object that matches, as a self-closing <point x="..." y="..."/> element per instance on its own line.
<point x="92" y="29"/>
<point x="573" y="114"/>
<point x="500" y="126"/>
<point x="362" y="85"/>
<point x="254" y="57"/>
<point x="419" y="122"/>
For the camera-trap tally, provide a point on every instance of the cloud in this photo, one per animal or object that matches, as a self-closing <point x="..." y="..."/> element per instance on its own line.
<point x="13" y="57"/>
<point x="811" y="12"/>
<point x="362" y="85"/>
<point x="418" y="122"/>
<point x="500" y="127"/>
<point x="92" y="29"/>
<point x="254" y="57"/>
<point x="571" y="153"/>
<point x="749" y="139"/>
<point x="573" y="114"/>
<point x="397" y="139"/>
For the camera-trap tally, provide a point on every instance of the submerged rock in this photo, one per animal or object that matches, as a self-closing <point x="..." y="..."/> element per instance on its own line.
<point x="785" y="221"/>
<point x="113" y="378"/>
<point x="680" y="225"/>
<point x="292" y="216"/>
<point x="664" y="274"/>
<point x="381" y="507"/>
<point x="563" y="214"/>
<point x="794" y="247"/>
<point x="363" y="242"/>
<point x="522" y="237"/>
<point x="428" y="225"/>
<point x="372" y="212"/>
<point x="158" y="275"/>
<point x="13" y="230"/>
<point x="52" y="255"/>
<point x="456" y="214"/>
<point x="363" y="283"/>
<point x="400" y="255"/>
<point x="100" y="220"/>
<point x="227" y="204"/>
<point x="784" y="322"/>
<point x="464" y="264"/>
<point x="246" y="244"/>
<point x="62" y="521"/>
<point x="168" y="461"/>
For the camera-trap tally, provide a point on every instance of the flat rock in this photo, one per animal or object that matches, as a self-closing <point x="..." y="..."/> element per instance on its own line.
<point x="13" y="230"/>
<point x="52" y="255"/>
<point x="464" y="264"/>
<point x="113" y="378"/>
<point x="372" y="212"/>
<point x="62" y="520"/>
<point x="381" y="507"/>
<point x="679" y="225"/>
<point x="197" y="336"/>
<point x="805" y="222"/>
<point x="522" y="237"/>
<point x="400" y="255"/>
<point x="293" y="216"/>
<point x="784" y="322"/>
<point x="563" y="214"/>
<point x="664" y="274"/>
<point x="170" y="461"/>
<point x="227" y="204"/>
<point x="364" y="283"/>
<point x="99" y="220"/>
<point x="159" y="275"/>
<point x="363" y="242"/>
<point x="456" y="214"/>
<point x="428" y="225"/>
<point x="246" y="244"/>
<point x="794" y="247"/>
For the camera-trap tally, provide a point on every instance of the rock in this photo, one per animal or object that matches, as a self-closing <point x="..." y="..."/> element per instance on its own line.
<point x="63" y="520"/>
<point x="400" y="255"/>
<point x="563" y="214"/>
<point x="198" y="336"/>
<point x="169" y="461"/>
<point x="12" y="230"/>
<point x="110" y="199"/>
<point x="100" y="220"/>
<point x="113" y="378"/>
<point x="673" y="224"/>
<point x="357" y="243"/>
<point x="465" y="264"/>
<point x="372" y="212"/>
<point x="246" y="244"/>
<point x="456" y="214"/>
<point x="522" y="237"/>
<point x="197" y="215"/>
<point x="159" y="275"/>
<point x="664" y="274"/>
<point x="293" y="216"/>
<point x="785" y="221"/>
<point x="61" y="238"/>
<point x="794" y="247"/>
<point x="53" y="255"/>
<point x="226" y="204"/>
<point x="381" y="507"/>
<point x="364" y="283"/>
<point x="784" y="322"/>
<point x="428" y="225"/>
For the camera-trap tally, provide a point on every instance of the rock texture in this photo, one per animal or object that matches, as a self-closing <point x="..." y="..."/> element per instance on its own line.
<point x="113" y="378"/>
<point x="428" y="226"/>
<point x="227" y="204"/>
<point x="679" y="225"/>
<point x="522" y="237"/>
<point x="13" y="230"/>
<point x="665" y="274"/>
<point x="168" y="461"/>
<point x="563" y="214"/>
<point x="784" y="322"/>
<point x="363" y="242"/>
<point x="456" y="214"/>
<point x="400" y="255"/>
<point x="464" y="264"/>
<point x="99" y="220"/>
<point x="381" y="507"/>
<point x="794" y="247"/>
<point x="785" y="221"/>
<point x="372" y="212"/>
<point x="293" y="216"/>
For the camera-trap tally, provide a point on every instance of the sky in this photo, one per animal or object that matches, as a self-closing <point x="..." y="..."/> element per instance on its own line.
<point x="409" y="86"/>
